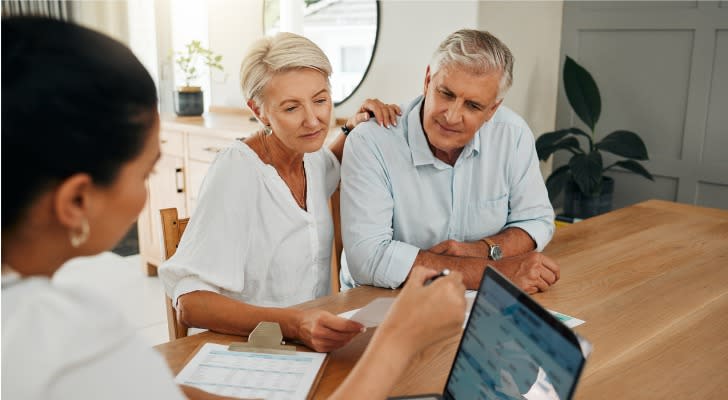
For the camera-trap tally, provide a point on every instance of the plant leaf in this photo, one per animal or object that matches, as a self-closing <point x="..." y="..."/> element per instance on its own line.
<point x="635" y="167"/>
<point x="566" y="144"/>
<point x="547" y="140"/>
<point x="587" y="172"/>
<point x="582" y="92"/>
<point x="624" y="143"/>
<point x="557" y="180"/>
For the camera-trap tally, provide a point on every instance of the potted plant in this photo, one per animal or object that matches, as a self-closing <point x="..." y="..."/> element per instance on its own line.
<point x="188" y="99"/>
<point x="587" y="191"/>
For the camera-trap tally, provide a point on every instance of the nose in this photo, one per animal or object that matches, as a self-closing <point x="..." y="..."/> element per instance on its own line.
<point x="311" y="119"/>
<point x="454" y="112"/>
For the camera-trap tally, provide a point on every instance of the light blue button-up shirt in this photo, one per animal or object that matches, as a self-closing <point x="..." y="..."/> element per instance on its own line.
<point x="398" y="198"/>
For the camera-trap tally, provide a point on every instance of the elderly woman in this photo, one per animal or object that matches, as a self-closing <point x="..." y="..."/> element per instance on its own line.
<point x="90" y="154"/>
<point x="260" y="239"/>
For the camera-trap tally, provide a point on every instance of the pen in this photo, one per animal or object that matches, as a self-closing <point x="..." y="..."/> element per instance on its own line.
<point x="444" y="272"/>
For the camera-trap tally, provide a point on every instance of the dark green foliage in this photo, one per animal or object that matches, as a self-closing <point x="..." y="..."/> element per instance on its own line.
<point x="585" y="167"/>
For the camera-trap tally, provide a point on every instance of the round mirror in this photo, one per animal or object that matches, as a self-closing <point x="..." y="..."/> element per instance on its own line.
<point x="346" y="30"/>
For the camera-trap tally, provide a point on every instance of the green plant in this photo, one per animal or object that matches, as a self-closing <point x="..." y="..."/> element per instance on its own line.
<point x="585" y="167"/>
<point x="188" y="60"/>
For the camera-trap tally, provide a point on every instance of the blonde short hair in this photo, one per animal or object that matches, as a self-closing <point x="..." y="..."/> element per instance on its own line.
<point x="282" y="52"/>
<point x="477" y="51"/>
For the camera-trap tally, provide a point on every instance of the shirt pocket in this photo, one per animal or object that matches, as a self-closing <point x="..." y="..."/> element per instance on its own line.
<point x="486" y="217"/>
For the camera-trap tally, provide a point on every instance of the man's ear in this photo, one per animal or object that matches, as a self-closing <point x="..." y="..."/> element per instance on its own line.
<point x="427" y="80"/>
<point x="492" y="109"/>
<point x="258" y="112"/>
<point x="71" y="200"/>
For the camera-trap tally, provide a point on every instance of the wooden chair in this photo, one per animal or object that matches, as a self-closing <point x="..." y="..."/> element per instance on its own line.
<point x="338" y="246"/>
<point x="172" y="229"/>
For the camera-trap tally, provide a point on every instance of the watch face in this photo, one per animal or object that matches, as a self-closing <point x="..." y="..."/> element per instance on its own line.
<point x="495" y="252"/>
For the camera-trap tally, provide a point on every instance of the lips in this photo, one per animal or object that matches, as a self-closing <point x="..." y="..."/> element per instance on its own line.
<point x="312" y="135"/>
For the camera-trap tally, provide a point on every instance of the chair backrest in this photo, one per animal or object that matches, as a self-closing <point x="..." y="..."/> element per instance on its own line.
<point x="172" y="230"/>
<point x="338" y="246"/>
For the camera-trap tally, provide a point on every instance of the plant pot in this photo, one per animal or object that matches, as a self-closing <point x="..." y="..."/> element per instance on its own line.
<point x="579" y="205"/>
<point x="188" y="101"/>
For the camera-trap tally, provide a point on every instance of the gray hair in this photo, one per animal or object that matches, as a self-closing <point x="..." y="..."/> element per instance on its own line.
<point x="282" y="52"/>
<point x="477" y="51"/>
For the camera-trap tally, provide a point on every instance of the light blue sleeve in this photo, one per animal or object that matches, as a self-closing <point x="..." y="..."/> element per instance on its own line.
<point x="367" y="207"/>
<point x="529" y="205"/>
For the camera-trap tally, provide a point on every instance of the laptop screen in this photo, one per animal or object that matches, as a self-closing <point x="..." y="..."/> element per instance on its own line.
<point x="512" y="348"/>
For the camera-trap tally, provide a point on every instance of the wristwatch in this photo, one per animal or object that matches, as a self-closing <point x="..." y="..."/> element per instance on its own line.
<point x="345" y="129"/>
<point x="494" y="252"/>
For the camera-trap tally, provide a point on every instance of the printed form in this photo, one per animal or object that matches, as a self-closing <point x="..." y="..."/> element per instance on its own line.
<point x="217" y="370"/>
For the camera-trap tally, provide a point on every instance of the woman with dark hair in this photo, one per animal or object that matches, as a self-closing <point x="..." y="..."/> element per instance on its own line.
<point x="80" y="135"/>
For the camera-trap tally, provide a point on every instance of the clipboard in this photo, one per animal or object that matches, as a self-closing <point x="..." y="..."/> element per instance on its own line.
<point x="255" y="369"/>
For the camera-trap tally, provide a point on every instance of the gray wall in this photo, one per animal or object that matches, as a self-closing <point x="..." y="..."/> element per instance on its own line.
<point x="662" y="69"/>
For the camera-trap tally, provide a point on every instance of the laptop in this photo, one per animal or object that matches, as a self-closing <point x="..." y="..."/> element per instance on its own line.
<point x="512" y="348"/>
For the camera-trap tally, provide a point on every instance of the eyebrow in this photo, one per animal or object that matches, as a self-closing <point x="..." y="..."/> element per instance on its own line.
<point x="324" y="90"/>
<point x="446" y="89"/>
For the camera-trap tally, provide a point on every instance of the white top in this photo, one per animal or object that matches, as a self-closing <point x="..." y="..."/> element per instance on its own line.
<point x="248" y="238"/>
<point x="69" y="344"/>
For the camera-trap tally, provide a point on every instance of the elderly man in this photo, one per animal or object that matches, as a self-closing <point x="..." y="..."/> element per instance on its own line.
<point x="455" y="184"/>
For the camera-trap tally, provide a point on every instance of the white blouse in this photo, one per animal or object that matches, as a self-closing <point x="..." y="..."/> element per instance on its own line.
<point x="248" y="238"/>
<point x="63" y="343"/>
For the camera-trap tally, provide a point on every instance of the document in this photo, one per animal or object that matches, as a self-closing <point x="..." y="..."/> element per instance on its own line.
<point x="372" y="314"/>
<point x="217" y="370"/>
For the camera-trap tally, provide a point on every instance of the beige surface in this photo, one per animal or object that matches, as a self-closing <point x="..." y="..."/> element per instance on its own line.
<point x="650" y="282"/>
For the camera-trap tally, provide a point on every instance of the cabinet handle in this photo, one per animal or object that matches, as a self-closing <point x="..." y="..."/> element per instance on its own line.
<point x="212" y="149"/>
<point x="180" y="180"/>
<point x="163" y="141"/>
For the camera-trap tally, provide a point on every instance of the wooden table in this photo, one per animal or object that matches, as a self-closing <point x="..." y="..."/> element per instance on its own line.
<point x="651" y="282"/>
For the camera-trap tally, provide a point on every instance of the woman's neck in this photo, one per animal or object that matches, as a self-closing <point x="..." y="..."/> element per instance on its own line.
<point x="285" y="160"/>
<point x="33" y="256"/>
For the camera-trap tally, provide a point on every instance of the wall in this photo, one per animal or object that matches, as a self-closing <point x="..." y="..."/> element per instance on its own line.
<point x="233" y="26"/>
<point x="662" y="71"/>
<point x="532" y="30"/>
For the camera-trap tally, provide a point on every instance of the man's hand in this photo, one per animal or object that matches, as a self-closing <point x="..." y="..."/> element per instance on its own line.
<point x="324" y="332"/>
<point x="532" y="272"/>
<point x="461" y="249"/>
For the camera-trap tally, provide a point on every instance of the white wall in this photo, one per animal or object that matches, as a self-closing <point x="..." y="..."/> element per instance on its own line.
<point x="409" y="32"/>
<point x="532" y="30"/>
<point x="233" y="26"/>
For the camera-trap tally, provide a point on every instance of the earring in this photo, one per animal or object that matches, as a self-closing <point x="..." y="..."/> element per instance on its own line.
<point x="79" y="238"/>
<point x="267" y="129"/>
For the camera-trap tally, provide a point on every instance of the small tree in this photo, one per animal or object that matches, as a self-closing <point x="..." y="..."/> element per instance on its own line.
<point x="188" y="61"/>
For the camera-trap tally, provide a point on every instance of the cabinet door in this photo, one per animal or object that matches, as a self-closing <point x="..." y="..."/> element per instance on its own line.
<point x="197" y="172"/>
<point x="166" y="189"/>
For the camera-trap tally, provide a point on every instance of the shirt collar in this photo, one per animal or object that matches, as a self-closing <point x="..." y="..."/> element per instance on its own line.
<point x="420" y="149"/>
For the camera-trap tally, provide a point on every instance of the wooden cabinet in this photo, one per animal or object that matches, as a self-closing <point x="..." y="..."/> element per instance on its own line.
<point x="188" y="145"/>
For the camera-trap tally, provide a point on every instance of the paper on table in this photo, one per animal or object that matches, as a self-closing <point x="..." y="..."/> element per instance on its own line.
<point x="217" y="370"/>
<point x="372" y="314"/>
<point x="567" y="320"/>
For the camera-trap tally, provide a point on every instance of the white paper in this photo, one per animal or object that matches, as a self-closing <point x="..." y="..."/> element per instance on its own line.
<point x="251" y="375"/>
<point x="372" y="314"/>
<point x="567" y="320"/>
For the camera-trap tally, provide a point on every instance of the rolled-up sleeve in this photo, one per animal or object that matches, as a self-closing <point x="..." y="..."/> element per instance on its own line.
<point x="529" y="205"/>
<point x="367" y="206"/>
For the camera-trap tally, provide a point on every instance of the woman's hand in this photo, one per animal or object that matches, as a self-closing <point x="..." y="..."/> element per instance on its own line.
<point x="385" y="114"/>
<point x="324" y="332"/>
<point x="426" y="314"/>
